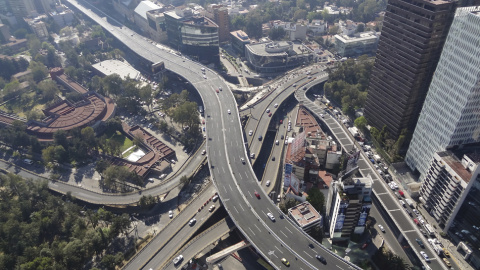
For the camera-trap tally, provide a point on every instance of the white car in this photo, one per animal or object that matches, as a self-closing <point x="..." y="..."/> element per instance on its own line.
<point x="394" y="185"/>
<point x="250" y="133"/>
<point x="416" y="212"/>
<point x="242" y="160"/>
<point x="215" y="198"/>
<point x="252" y="155"/>
<point x="277" y="142"/>
<point x="425" y="256"/>
<point x="268" y="183"/>
<point x="170" y="214"/>
<point x="381" y="228"/>
<point x="229" y="112"/>
<point x="272" y="218"/>
<point x="276" y="105"/>
<point x="177" y="259"/>
<point x="192" y="221"/>
<point x="268" y="110"/>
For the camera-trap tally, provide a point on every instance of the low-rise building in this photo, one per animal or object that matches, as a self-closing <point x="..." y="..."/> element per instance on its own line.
<point x="38" y="26"/>
<point x="305" y="216"/>
<point x="277" y="56"/>
<point x="359" y="44"/>
<point x="318" y="27"/>
<point x="62" y="16"/>
<point x="239" y="39"/>
<point x="109" y="67"/>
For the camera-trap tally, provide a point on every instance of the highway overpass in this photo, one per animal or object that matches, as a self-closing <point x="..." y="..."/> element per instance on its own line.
<point x="235" y="180"/>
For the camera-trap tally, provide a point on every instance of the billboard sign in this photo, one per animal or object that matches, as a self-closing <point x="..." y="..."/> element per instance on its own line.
<point x="294" y="183"/>
<point x="288" y="175"/>
<point x="341" y="216"/>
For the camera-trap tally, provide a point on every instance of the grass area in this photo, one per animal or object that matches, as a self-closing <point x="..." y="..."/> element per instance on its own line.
<point x="116" y="135"/>
<point x="21" y="105"/>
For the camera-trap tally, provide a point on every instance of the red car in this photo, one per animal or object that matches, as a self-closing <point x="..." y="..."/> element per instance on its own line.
<point x="401" y="193"/>
<point x="203" y="121"/>
<point x="217" y="91"/>
<point x="270" y="114"/>
<point x="281" y="121"/>
<point x="416" y="221"/>
<point x="257" y="195"/>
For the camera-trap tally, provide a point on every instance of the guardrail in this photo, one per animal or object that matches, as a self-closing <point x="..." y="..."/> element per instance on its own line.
<point x="171" y="236"/>
<point x="169" y="261"/>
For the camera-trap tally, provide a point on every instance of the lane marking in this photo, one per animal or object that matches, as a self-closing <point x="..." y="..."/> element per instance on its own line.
<point x="288" y="230"/>
<point x="283" y="233"/>
<point x="251" y="230"/>
<point x="243" y="209"/>
<point x="230" y="187"/>
<point x="308" y="254"/>
<point x="257" y="228"/>
<point x="225" y="189"/>
<point x="278" y="249"/>
<point x="236" y="209"/>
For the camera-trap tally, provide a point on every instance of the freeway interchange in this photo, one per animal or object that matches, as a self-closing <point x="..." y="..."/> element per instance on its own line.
<point x="226" y="148"/>
<point x="235" y="180"/>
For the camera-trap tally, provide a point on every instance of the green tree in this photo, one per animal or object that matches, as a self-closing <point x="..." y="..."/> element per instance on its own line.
<point x="49" y="89"/>
<point x="39" y="71"/>
<point x="316" y="199"/>
<point x="276" y="33"/>
<point x="287" y="204"/>
<point x="20" y="33"/>
<point x="361" y="123"/>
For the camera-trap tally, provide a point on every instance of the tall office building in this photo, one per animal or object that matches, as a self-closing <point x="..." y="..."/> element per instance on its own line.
<point x="411" y="41"/>
<point x="22" y="8"/>
<point x="451" y="115"/>
<point x="223" y="21"/>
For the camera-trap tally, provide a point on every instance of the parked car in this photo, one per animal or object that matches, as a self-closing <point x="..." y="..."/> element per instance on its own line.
<point x="211" y="208"/>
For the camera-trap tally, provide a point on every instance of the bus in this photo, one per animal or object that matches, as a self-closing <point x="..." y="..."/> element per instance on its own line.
<point x="429" y="229"/>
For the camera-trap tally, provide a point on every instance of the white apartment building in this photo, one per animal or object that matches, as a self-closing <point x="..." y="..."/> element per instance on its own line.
<point x="447" y="183"/>
<point x="450" y="115"/>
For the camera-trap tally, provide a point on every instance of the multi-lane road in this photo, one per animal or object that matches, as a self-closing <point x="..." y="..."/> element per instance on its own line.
<point x="234" y="179"/>
<point x="385" y="197"/>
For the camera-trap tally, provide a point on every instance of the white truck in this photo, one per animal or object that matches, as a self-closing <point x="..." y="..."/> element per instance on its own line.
<point x="377" y="158"/>
<point x="409" y="202"/>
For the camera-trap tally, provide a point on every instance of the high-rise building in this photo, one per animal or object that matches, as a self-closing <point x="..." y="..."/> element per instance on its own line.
<point x="348" y="206"/>
<point x="221" y="18"/>
<point x="22" y="8"/>
<point x="450" y="115"/>
<point x="410" y="44"/>
<point x="447" y="183"/>
<point x="193" y="34"/>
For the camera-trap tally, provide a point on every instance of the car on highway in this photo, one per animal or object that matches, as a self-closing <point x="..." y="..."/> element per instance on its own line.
<point x="217" y="91"/>
<point x="276" y="105"/>
<point x="270" y="216"/>
<point x="416" y="212"/>
<point x="215" y="198"/>
<point x="177" y="259"/>
<point x="381" y="228"/>
<point x="260" y="137"/>
<point x="408" y="212"/>
<point x="281" y="121"/>
<point x="447" y="263"/>
<point x="229" y="112"/>
<point x="211" y="208"/>
<point x="401" y="193"/>
<point x="170" y="214"/>
<point x="446" y="252"/>
<point x="242" y="160"/>
<point x="284" y="261"/>
<point x="277" y="142"/>
<point x="204" y="152"/>
<point x="273" y="158"/>
<point x="192" y="221"/>
<point x="250" y="133"/>
<point x="425" y="256"/>
<point x="257" y="195"/>
<point x="267" y="183"/>
<point x="252" y="155"/>
<point x="205" y="77"/>
<point x="220" y="88"/>
<point x="268" y="110"/>
<point x="270" y="115"/>
<point x="420" y="243"/>
<point x="321" y="259"/>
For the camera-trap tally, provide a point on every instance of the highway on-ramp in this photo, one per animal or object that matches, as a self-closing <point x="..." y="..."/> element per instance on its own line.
<point x="235" y="180"/>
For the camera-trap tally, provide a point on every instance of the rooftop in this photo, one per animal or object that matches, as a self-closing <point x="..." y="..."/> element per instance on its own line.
<point x="145" y="6"/>
<point x="455" y="164"/>
<point x="358" y="37"/>
<point x="304" y="214"/>
<point x="123" y="69"/>
<point x="241" y="35"/>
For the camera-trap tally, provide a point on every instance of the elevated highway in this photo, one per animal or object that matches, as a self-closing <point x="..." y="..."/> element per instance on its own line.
<point x="235" y="180"/>
<point x="388" y="202"/>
